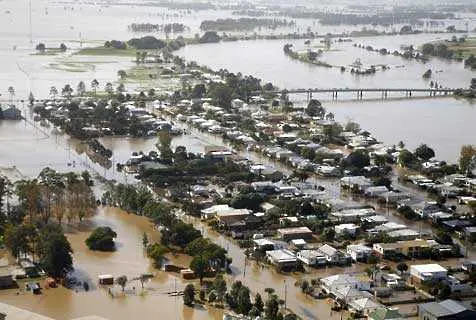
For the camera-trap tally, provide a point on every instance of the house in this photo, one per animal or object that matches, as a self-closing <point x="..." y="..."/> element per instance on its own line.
<point x="375" y="191"/>
<point x="358" y="252"/>
<point x="413" y="248"/>
<point x="11" y="113"/>
<point x="353" y="215"/>
<point x="427" y="273"/>
<point x="264" y="244"/>
<point x="333" y="255"/>
<point x="359" y="183"/>
<point x="299" y="243"/>
<point x="269" y="208"/>
<point x="312" y="258"/>
<point x="229" y="217"/>
<point x="288" y="234"/>
<point x="364" y="306"/>
<point x="387" y="227"/>
<point x="447" y="309"/>
<point x="357" y="281"/>
<point x="346" y="228"/>
<point x="404" y="234"/>
<point x="6" y="278"/>
<point x="374" y="220"/>
<point x="212" y="211"/>
<point x="423" y="209"/>
<point x="281" y="258"/>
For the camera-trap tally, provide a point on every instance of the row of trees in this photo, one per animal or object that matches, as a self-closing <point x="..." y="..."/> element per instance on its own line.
<point x="238" y="299"/>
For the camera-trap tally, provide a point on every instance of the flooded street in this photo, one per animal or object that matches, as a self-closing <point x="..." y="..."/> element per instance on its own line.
<point x="129" y="260"/>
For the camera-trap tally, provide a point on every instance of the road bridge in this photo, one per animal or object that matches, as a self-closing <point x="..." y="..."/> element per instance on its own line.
<point x="359" y="92"/>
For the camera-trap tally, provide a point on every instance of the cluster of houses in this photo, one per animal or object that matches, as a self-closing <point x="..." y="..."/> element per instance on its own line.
<point x="361" y="294"/>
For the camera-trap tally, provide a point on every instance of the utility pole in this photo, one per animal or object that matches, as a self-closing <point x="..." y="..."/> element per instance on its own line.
<point x="285" y="294"/>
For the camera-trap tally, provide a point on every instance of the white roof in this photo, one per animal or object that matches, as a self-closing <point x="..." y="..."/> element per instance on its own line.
<point x="428" y="268"/>
<point x="299" y="242"/>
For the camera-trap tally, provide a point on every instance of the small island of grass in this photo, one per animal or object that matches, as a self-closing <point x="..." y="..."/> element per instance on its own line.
<point x="102" y="239"/>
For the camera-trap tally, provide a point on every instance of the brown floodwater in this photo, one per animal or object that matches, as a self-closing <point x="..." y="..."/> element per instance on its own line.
<point x="130" y="260"/>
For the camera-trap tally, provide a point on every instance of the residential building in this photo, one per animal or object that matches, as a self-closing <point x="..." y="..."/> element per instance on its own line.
<point x="358" y="252"/>
<point x="364" y="306"/>
<point x="404" y="234"/>
<point x="352" y="215"/>
<point x="333" y="255"/>
<point x="427" y="273"/>
<point x="346" y="228"/>
<point x="359" y="183"/>
<point x="288" y="234"/>
<point x="281" y="258"/>
<point x="312" y="258"/>
<point x="447" y="309"/>
<point x="412" y="249"/>
<point x="232" y="216"/>
<point x="357" y="281"/>
<point x="264" y="244"/>
<point x="11" y="113"/>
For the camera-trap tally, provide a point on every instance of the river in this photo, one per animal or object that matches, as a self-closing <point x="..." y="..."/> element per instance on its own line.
<point x="444" y="123"/>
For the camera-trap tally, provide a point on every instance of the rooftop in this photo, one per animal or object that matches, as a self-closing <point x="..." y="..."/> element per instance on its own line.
<point x="294" y="230"/>
<point x="428" y="268"/>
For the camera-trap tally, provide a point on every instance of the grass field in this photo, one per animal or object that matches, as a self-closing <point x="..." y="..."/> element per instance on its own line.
<point x="102" y="51"/>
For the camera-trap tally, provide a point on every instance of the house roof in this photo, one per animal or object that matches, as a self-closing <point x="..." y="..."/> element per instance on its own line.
<point x="328" y="250"/>
<point x="294" y="230"/>
<point x="445" y="308"/>
<point x="428" y="268"/>
<point x="364" y="303"/>
<point x="281" y="255"/>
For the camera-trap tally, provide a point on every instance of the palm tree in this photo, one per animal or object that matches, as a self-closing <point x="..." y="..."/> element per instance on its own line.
<point x="94" y="85"/>
<point x="11" y="91"/>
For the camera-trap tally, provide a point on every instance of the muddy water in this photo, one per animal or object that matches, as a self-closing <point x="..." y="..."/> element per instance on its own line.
<point x="128" y="260"/>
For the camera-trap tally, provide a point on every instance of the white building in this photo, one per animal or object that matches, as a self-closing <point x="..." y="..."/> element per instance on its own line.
<point x="348" y="228"/>
<point x="358" y="252"/>
<point x="428" y="272"/>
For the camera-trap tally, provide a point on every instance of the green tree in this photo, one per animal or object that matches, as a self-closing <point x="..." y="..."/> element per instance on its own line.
<point x="405" y="158"/>
<point x="166" y="153"/>
<point x="94" y="85"/>
<point x="101" y="239"/>
<point x="244" y="304"/>
<point x="81" y="89"/>
<point x="67" y="91"/>
<point x="259" y="304"/>
<point x="109" y="88"/>
<point x="315" y="109"/>
<point x="53" y="92"/>
<point x="328" y="234"/>
<point x="199" y="265"/>
<point x="55" y="253"/>
<point x="305" y="286"/>
<point x="189" y="295"/>
<point x="272" y="308"/>
<point x="156" y="252"/>
<point x="357" y="159"/>
<point x="122" y="282"/>
<point x="219" y="285"/>
<point x="145" y="240"/>
<point x="467" y="159"/>
<point x="424" y="152"/>
<point x="121" y="74"/>
<point x="402" y="267"/>
<point x="444" y="291"/>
